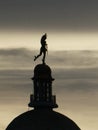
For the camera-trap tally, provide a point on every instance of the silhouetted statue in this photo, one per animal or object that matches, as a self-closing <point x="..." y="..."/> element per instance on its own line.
<point x="43" y="48"/>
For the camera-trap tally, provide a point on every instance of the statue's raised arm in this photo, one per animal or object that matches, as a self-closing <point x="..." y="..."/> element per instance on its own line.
<point x="43" y="48"/>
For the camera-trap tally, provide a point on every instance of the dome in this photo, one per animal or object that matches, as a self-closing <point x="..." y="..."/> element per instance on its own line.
<point x="42" y="120"/>
<point x="42" y="71"/>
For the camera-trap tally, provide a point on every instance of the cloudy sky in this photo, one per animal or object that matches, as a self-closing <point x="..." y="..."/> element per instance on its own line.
<point x="52" y="14"/>
<point x="69" y="24"/>
<point x="72" y="28"/>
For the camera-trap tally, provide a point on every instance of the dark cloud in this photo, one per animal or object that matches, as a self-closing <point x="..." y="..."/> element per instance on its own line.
<point x="78" y="67"/>
<point x="16" y="58"/>
<point x="54" y="15"/>
<point x="23" y="58"/>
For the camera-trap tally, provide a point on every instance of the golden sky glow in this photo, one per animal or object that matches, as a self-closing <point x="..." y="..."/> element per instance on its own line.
<point x="56" y="41"/>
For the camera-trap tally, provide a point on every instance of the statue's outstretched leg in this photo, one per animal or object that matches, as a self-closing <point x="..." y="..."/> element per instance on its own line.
<point x="35" y="57"/>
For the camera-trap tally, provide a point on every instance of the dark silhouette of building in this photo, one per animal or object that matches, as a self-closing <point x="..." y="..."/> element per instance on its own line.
<point x="42" y="117"/>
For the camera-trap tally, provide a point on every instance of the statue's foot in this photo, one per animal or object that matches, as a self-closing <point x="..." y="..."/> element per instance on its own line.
<point x="34" y="58"/>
